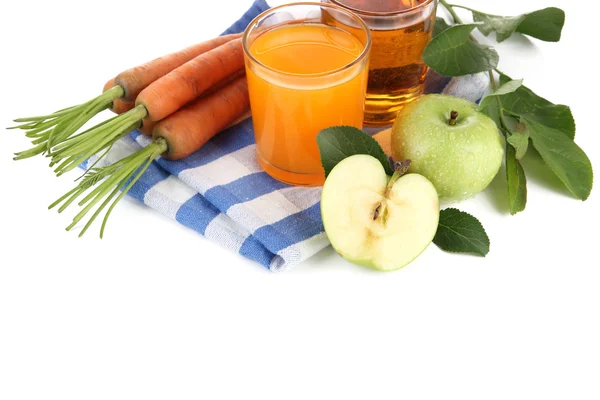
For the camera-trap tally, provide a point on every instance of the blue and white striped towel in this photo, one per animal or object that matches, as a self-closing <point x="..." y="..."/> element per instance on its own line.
<point x="221" y="192"/>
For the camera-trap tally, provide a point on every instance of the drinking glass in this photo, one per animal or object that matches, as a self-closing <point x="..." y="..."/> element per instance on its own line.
<point x="307" y="66"/>
<point x="401" y="29"/>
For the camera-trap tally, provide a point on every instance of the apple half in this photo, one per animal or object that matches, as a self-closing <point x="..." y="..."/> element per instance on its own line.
<point x="376" y="221"/>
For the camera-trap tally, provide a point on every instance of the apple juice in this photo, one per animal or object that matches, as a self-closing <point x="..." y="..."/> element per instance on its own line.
<point x="400" y="30"/>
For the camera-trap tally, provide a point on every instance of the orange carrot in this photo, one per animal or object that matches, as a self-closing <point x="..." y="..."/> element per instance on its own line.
<point x="127" y="85"/>
<point x="225" y="82"/>
<point x="241" y="118"/>
<point x="160" y="99"/>
<point x="189" y="128"/>
<point x="188" y="82"/>
<point x="136" y="79"/>
<point x="108" y="85"/>
<point x="175" y="137"/>
<point x="147" y="127"/>
<point x="118" y="106"/>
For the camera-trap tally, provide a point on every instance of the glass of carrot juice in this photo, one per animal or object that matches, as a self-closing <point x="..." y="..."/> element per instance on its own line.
<point x="306" y="71"/>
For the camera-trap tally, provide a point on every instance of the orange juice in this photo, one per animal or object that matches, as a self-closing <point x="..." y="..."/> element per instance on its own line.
<point x="304" y="78"/>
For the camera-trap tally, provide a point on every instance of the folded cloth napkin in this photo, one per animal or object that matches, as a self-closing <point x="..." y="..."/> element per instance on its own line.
<point x="221" y="192"/>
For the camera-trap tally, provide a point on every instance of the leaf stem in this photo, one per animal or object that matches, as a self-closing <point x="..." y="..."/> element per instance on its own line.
<point x="493" y="80"/>
<point x="462" y="7"/>
<point x="504" y="128"/>
<point x="450" y="8"/>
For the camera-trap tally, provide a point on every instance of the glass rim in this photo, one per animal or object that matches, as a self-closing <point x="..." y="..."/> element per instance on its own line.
<point x="381" y="14"/>
<point x="355" y="17"/>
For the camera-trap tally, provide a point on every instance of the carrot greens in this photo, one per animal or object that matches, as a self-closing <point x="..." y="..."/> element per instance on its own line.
<point x="105" y="183"/>
<point x="50" y="130"/>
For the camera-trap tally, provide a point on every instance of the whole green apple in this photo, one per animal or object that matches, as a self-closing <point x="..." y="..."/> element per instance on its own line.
<point x="450" y="142"/>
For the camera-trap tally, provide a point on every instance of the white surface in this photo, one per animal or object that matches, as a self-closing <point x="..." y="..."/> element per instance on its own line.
<point x="155" y="311"/>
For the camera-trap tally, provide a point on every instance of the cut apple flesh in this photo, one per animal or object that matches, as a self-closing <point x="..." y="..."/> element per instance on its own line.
<point x="370" y="229"/>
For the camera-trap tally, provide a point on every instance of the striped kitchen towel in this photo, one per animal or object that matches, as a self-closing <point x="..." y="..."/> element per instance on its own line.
<point x="221" y="192"/>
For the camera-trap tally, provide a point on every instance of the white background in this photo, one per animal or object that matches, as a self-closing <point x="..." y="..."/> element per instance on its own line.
<point x="155" y="311"/>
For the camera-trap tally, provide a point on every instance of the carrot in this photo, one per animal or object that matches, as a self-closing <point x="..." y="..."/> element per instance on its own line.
<point x="186" y="83"/>
<point x="241" y="118"/>
<point x="175" y="137"/>
<point x="189" y="128"/>
<point x="136" y="79"/>
<point x="225" y="82"/>
<point x="147" y="127"/>
<point x="53" y="129"/>
<point x="160" y="99"/>
<point x="109" y="84"/>
<point x="118" y="106"/>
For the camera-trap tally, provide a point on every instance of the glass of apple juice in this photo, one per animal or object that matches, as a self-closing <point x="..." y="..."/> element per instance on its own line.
<point x="401" y="29"/>
<point x="305" y="73"/>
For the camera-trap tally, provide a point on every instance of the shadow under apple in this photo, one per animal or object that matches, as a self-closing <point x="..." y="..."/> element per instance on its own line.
<point x="536" y="171"/>
<point x="497" y="193"/>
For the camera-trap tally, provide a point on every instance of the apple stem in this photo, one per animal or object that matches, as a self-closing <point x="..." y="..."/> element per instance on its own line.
<point x="400" y="169"/>
<point x="453" y="117"/>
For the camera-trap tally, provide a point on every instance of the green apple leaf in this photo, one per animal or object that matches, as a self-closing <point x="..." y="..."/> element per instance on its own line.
<point x="454" y="53"/>
<point x="459" y="232"/>
<point x="543" y="24"/>
<point x="503" y="26"/>
<point x="525" y="101"/>
<point x="489" y="104"/>
<point x="519" y="140"/>
<point x="567" y="160"/>
<point x="508" y="87"/>
<point x="440" y="26"/>
<point x="517" y="182"/>
<point x="551" y="129"/>
<point x="338" y="142"/>
<point x="491" y="107"/>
